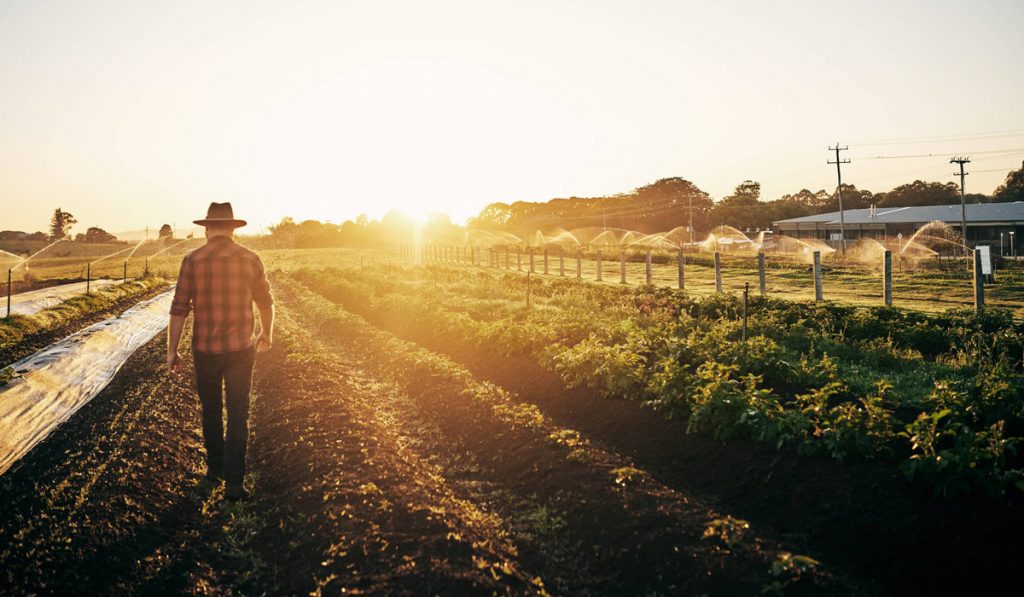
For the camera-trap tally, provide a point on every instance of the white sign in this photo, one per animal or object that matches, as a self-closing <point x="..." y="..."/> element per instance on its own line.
<point x="986" y="259"/>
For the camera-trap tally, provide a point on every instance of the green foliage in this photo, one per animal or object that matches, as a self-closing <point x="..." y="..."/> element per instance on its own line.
<point x="937" y="394"/>
<point x="6" y="375"/>
<point x="787" y="570"/>
<point x="729" y="531"/>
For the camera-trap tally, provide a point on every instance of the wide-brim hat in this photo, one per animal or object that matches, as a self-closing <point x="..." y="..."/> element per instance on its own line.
<point x="220" y="213"/>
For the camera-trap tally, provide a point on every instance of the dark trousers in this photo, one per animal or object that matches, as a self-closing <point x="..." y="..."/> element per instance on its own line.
<point x="232" y="373"/>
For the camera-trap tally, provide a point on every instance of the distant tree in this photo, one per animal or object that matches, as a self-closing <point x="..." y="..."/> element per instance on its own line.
<point x="494" y="215"/>
<point x="1012" y="188"/>
<point x="743" y="209"/>
<point x="36" y="236"/>
<point x="853" y="198"/>
<point x="814" y="201"/>
<point x="919" y="193"/>
<point x="397" y="227"/>
<point x="98" y="235"/>
<point x="60" y="224"/>
<point x="166" y="232"/>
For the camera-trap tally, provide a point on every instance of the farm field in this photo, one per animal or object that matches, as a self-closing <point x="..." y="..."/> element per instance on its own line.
<point x="420" y="429"/>
<point x="931" y="289"/>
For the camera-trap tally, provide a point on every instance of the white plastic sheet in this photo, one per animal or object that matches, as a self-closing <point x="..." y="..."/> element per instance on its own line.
<point x="55" y="382"/>
<point x="34" y="301"/>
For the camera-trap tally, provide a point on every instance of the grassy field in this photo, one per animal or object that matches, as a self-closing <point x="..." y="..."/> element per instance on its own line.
<point x="927" y="289"/>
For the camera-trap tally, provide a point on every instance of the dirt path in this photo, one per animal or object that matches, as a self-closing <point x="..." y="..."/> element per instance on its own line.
<point x="113" y="502"/>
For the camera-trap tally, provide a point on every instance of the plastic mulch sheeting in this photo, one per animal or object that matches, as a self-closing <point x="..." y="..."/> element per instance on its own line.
<point x="34" y="301"/>
<point x="52" y="384"/>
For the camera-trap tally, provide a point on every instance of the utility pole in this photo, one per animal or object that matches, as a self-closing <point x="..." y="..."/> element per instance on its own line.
<point x="839" y="192"/>
<point x="963" y="204"/>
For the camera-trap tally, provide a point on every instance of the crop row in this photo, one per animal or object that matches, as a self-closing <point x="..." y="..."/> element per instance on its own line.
<point x="942" y="395"/>
<point x="16" y="328"/>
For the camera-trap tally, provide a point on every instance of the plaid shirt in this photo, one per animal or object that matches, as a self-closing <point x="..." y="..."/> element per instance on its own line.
<point x="220" y="281"/>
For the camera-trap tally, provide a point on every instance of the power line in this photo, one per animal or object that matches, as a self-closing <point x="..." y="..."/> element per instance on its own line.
<point x="962" y="137"/>
<point x="932" y="155"/>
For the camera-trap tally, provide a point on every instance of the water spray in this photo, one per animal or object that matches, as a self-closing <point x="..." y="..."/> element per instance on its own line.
<point x="25" y="263"/>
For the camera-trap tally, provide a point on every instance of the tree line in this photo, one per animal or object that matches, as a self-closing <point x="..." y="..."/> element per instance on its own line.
<point x="673" y="202"/>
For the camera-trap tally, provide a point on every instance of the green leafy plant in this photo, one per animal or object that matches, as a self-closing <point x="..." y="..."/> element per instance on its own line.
<point x="729" y="531"/>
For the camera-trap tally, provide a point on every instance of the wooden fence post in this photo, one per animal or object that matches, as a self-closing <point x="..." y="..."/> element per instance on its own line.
<point x="718" y="272"/>
<point x="979" y="282"/>
<point x="761" y="278"/>
<point x="682" y="272"/>
<point x="818" y="294"/>
<point x="887" y="278"/>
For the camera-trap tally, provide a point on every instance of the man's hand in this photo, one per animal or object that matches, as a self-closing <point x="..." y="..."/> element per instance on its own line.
<point x="263" y="342"/>
<point x="173" y="363"/>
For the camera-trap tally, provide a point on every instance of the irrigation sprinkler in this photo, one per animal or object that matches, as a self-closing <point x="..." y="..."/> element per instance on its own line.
<point x="9" y="292"/>
<point x="718" y="272"/>
<point x="579" y="264"/>
<point x="125" y="278"/>
<point x="761" y="277"/>
<point x="887" y="278"/>
<point x="622" y="267"/>
<point x="545" y="261"/>
<point x="649" y="273"/>
<point x="88" y="277"/>
<point x="599" y="266"/>
<point x="561" y="261"/>
<point x="532" y="268"/>
<point x="818" y="297"/>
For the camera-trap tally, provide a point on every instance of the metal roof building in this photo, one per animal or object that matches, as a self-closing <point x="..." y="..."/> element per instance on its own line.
<point x="996" y="224"/>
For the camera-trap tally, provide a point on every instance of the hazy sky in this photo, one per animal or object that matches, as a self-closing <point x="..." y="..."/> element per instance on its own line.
<point x="130" y="114"/>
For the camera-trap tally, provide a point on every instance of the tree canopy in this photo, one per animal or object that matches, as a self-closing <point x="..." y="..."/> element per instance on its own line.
<point x="60" y="224"/>
<point x="1012" y="188"/>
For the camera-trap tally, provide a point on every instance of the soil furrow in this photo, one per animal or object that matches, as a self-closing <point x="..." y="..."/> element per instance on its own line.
<point x="827" y="508"/>
<point x="637" y="533"/>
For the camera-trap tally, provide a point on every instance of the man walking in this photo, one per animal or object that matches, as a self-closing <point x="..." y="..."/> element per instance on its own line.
<point x="219" y="282"/>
